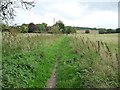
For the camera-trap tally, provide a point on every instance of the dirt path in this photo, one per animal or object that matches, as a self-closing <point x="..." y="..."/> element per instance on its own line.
<point x="51" y="82"/>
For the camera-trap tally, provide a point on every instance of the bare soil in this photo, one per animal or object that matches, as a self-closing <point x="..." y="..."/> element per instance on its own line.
<point x="51" y="82"/>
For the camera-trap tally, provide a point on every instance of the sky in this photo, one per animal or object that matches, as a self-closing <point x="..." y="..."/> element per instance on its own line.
<point x="82" y="13"/>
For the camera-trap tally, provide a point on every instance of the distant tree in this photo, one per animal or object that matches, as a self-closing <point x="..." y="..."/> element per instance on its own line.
<point x="109" y="31"/>
<point x="5" y="28"/>
<point x="69" y="30"/>
<point x="87" y="31"/>
<point x="24" y="28"/>
<point x="61" y="26"/>
<point x="32" y="28"/>
<point x="42" y="27"/>
<point x="7" y="8"/>
<point x="55" y="29"/>
<point x="118" y="30"/>
<point x="45" y="26"/>
<point x="102" y="31"/>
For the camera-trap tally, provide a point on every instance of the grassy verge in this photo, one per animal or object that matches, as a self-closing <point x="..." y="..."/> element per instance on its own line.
<point x="66" y="71"/>
<point x="45" y="67"/>
<point x="28" y="59"/>
<point x="81" y="66"/>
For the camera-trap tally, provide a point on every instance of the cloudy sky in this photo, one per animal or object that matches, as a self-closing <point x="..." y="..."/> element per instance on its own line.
<point x="83" y="13"/>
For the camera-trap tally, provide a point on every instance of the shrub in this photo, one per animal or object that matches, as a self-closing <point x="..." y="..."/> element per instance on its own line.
<point x="102" y="31"/>
<point x="5" y="28"/>
<point x="61" y="26"/>
<point x="55" y="29"/>
<point x="32" y="28"/>
<point x="69" y="30"/>
<point x="118" y="30"/>
<point x="24" y="28"/>
<point x="87" y="31"/>
<point x="110" y="31"/>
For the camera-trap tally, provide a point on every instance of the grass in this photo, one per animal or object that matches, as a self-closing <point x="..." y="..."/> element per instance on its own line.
<point x="80" y="67"/>
<point x="28" y="60"/>
<point x="84" y="60"/>
<point x="110" y="39"/>
<point x="86" y="66"/>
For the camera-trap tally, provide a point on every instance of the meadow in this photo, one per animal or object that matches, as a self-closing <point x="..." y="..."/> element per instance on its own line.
<point x="83" y="60"/>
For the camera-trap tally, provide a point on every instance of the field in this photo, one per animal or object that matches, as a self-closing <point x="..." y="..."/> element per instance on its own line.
<point x="59" y="60"/>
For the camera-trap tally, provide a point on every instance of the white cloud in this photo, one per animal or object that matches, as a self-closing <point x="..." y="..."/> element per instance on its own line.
<point x="106" y="19"/>
<point x="71" y="13"/>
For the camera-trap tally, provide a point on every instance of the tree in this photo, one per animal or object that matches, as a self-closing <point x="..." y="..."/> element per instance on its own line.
<point x="55" y="29"/>
<point x="69" y="30"/>
<point x="118" y="30"/>
<point x="7" y="8"/>
<point x="45" y="26"/>
<point x="24" y="28"/>
<point x="5" y="28"/>
<point x="42" y="27"/>
<point x="32" y="28"/>
<point x="61" y="26"/>
<point x="102" y="31"/>
<point x="110" y="31"/>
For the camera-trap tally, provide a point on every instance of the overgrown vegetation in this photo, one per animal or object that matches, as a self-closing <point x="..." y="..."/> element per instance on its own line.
<point x="85" y="63"/>
<point x="57" y="28"/>
<point x="28" y="60"/>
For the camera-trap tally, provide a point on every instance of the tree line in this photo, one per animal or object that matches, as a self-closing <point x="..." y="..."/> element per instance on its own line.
<point x="101" y="30"/>
<point x="58" y="27"/>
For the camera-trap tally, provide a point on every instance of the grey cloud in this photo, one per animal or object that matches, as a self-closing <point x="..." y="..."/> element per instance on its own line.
<point x="44" y="7"/>
<point x="101" y="5"/>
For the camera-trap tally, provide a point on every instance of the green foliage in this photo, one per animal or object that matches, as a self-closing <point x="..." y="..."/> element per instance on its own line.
<point x="118" y="30"/>
<point x="59" y="26"/>
<point x="28" y="60"/>
<point x="42" y="27"/>
<point x="4" y="28"/>
<point x="102" y="31"/>
<point x="69" y="30"/>
<point x="55" y="29"/>
<point x="110" y="31"/>
<point x="62" y="27"/>
<point x="80" y="66"/>
<point x="106" y="31"/>
<point x="24" y="28"/>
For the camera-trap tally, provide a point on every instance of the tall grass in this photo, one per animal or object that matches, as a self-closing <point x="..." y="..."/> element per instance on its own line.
<point x="0" y="60"/>
<point x="28" y="60"/>
<point x="99" y="66"/>
<point x="25" y="61"/>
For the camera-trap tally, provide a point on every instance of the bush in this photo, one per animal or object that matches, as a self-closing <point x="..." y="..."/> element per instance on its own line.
<point x="24" y="28"/>
<point x="55" y="29"/>
<point x="102" y="31"/>
<point x="69" y="30"/>
<point x="87" y="31"/>
<point x="32" y="28"/>
<point x="110" y="31"/>
<point x="118" y="30"/>
<point x="60" y="25"/>
<point x="5" y="28"/>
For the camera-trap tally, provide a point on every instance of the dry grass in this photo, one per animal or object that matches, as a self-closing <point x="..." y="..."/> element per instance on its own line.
<point x="99" y="56"/>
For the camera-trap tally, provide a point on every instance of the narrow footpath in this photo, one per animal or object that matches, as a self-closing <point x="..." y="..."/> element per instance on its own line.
<point x="51" y="82"/>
